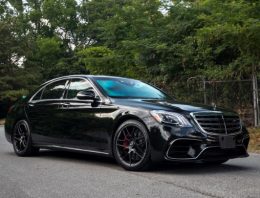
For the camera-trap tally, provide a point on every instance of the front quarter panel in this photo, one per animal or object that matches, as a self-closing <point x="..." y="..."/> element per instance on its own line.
<point x="114" y="115"/>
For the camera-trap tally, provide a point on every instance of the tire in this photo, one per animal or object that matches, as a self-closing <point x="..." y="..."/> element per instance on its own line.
<point x="22" y="141"/>
<point x="215" y="162"/>
<point x="131" y="146"/>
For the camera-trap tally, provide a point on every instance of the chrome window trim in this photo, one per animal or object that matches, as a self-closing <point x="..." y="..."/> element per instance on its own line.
<point x="42" y="89"/>
<point x="31" y="99"/>
<point x="215" y="112"/>
<point x="65" y="86"/>
<point x="92" y="85"/>
<point x="101" y="96"/>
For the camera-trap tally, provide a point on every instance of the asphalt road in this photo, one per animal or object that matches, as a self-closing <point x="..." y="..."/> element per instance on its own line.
<point x="55" y="174"/>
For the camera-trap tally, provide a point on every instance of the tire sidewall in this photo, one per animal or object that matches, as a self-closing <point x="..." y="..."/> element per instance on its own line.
<point x="27" y="149"/>
<point x="145" y="162"/>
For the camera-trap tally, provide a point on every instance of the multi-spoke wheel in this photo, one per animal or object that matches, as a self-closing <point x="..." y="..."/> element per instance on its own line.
<point x="131" y="146"/>
<point x="22" y="139"/>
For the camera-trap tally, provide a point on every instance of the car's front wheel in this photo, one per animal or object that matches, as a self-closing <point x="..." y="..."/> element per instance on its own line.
<point x="131" y="146"/>
<point x="22" y="141"/>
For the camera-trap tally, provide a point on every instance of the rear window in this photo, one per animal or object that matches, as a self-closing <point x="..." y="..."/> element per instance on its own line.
<point x="54" y="90"/>
<point x="38" y="96"/>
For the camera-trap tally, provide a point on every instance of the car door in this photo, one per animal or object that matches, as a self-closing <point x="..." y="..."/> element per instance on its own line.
<point x="81" y="124"/>
<point x="44" y="112"/>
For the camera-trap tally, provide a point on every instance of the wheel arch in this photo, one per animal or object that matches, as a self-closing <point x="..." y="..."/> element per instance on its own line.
<point x="14" y="125"/>
<point x="121" y="120"/>
<point x="10" y="127"/>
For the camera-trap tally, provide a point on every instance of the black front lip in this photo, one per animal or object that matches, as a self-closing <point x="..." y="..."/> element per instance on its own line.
<point x="221" y="154"/>
<point x="239" y="151"/>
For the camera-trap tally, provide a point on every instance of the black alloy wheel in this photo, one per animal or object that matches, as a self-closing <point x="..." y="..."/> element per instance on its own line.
<point x="131" y="146"/>
<point x="22" y="142"/>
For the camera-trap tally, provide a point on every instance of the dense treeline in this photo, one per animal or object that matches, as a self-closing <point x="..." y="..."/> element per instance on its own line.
<point x="158" y="41"/>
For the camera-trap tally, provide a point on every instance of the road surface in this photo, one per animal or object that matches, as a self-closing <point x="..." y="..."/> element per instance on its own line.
<point x="55" y="174"/>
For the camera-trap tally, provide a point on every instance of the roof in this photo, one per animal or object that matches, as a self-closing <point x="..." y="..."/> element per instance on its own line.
<point x="82" y="76"/>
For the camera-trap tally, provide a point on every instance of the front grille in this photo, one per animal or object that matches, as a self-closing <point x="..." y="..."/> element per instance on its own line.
<point x="218" y="123"/>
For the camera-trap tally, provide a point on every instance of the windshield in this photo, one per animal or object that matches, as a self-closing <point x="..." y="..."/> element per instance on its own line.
<point x="129" y="88"/>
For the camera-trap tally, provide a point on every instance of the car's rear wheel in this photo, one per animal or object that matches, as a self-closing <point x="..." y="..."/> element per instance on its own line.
<point x="131" y="146"/>
<point x="22" y="141"/>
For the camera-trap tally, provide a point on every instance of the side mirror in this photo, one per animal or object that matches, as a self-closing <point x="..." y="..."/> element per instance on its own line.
<point x="86" y="95"/>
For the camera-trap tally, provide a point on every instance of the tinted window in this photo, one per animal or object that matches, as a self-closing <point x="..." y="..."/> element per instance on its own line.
<point x="129" y="88"/>
<point x="38" y="96"/>
<point x="54" y="90"/>
<point x="76" y="86"/>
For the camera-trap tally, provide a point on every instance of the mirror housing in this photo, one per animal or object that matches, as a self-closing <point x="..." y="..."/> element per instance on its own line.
<point x="86" y="95"/>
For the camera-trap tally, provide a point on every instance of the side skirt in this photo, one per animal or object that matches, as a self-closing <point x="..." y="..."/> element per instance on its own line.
<point x="66" y="148"/>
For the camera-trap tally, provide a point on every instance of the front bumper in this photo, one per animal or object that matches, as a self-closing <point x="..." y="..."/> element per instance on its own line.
<point x="190" y="144"/>
<point x="185" y="149"/>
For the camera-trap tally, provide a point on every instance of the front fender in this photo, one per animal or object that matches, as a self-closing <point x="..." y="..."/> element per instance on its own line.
<point x="157" y="136"/>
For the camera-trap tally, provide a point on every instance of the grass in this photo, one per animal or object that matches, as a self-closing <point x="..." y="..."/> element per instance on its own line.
<point x="254" y="144"/>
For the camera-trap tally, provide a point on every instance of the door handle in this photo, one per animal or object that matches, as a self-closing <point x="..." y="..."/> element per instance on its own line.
<point x="65" y="105"/>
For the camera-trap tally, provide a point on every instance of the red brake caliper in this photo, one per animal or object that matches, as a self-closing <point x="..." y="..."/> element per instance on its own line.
<point x="126" y="142"/>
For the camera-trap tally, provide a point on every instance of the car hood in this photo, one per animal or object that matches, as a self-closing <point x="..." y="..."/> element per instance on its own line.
<point x="169" y="105"/>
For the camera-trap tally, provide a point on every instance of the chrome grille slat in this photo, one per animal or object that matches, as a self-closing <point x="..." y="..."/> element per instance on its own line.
<point x="210" y="124"/>
<point x="232" y="124"/>
<point x="216" y="119"/>
<point x="218" y="122"/>
<point x="215" y="129"/>
<point x="233" y="128"/>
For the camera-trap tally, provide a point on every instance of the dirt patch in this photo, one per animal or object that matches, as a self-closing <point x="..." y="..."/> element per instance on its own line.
<point x="254" y="144"/>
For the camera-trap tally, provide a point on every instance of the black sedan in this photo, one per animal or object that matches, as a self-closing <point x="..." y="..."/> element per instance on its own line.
<point x="127" y="119"/>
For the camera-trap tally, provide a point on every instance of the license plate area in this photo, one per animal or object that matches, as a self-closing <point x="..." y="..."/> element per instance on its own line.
<point x="226" y="142"/>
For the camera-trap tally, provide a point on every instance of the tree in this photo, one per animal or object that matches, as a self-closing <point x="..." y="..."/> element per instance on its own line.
<point x="159" y="41"/>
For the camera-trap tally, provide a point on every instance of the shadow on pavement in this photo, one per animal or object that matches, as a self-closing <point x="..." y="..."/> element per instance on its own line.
<point x="83" y="157"/>
<point x="162" y="168"/>
<point x="165" y="167"/>
<point x="195" y="168"/>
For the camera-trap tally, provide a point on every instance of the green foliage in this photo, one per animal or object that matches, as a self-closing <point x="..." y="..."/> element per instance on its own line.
<point x="48" y="48"/>
<point x="157" y="41"/>
<point x="228" y="42"/>
<point x="98" y="60"/>
<point x="12" y="78"/>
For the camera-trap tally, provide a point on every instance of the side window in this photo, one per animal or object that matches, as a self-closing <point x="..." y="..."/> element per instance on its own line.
<point x="37" y="96"/>
<point x="54" y="90"/>
<point x="77" y="85"/>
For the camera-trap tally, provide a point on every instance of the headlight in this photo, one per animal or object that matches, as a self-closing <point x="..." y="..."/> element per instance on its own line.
<point x="170" y="118"/>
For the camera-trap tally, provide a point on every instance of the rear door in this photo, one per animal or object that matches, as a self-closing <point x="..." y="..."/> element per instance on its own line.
<point x="44" y="112"/>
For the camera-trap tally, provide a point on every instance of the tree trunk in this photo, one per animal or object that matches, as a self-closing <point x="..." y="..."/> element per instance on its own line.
<point x="255" y="97"/>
